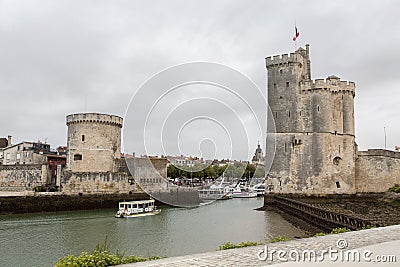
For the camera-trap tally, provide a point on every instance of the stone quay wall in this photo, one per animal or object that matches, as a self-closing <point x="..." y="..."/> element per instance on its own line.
<point x="23" y="177"/>
<point x="377" y="170"/>
<point x="319" y="213"/>
<point x="52" y="202"/>
<point x="98" y="183"/>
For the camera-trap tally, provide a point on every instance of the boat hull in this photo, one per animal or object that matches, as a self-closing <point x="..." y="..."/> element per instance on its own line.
<point x="137" y="214"/>
<point x="246" y="195"/>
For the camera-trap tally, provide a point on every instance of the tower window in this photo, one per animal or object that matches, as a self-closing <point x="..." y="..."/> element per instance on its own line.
<point x="274" y="85"/>
<point x="280" y="71"/>
<point x="336" y="160"/>
<point x="318" y="108"/>
<point x="289" y="113"/>
<point x="77" y="157"/>
<point x="287" y="84"/>
<point x="337" y="185"/>
<point x="83" y="138"/>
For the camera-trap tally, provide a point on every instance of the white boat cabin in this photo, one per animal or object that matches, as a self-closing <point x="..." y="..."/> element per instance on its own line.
<point x="140" y="206"/>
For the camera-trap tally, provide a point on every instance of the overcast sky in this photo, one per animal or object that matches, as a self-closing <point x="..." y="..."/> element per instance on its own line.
<point x="63" y="57"/>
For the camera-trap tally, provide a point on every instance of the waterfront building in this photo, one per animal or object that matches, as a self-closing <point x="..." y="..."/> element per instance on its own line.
<point x="258" y="157"/>
<point x="25" y="153"/>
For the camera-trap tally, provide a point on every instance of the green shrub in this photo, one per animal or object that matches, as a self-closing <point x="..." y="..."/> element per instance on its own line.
<point x="100" y="257"/>
<point x="155" y="257"/>
<point x="395" y="189"/>
<point x="321" y="234"/>
<point x="340" y="230"/>
<point x="38" y="189"/>
<point x="334" y="231"/>
<point x="229" y="245"/>
<point x="96" y="259"/>
<point x="278" y="239"/>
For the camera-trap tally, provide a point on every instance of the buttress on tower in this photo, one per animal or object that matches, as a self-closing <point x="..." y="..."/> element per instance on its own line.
<point x="315" y="146"/>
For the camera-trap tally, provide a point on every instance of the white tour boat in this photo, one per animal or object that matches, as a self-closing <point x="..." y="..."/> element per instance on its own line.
<point x="139" y="208"/>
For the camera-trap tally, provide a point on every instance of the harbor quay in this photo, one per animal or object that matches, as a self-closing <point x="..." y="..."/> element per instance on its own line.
<point x="358" y="248"/>
<point x="311" y="150"/>
<point x="318" y="179"/>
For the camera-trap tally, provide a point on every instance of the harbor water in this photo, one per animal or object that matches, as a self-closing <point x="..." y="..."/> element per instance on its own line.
<point x="41" y="239"/>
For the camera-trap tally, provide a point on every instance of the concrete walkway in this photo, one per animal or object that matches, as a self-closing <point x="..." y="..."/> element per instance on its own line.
<point x="372" y="246"/>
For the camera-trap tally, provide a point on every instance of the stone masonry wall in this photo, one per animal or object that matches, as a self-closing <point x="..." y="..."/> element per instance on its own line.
<point x="23" y="177"/>
<point x="313" y="162"/>
<point x="151" y="174"/>
<point x="377" y="170"/>
<point x="97" y="183"/>
<point x="61" y="202"/>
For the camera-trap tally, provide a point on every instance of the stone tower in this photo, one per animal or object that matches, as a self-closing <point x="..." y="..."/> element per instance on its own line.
<point x="314" y="120"/>
<point x="94" y="142"/>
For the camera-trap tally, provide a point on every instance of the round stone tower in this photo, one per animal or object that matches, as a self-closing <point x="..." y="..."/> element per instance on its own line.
<point x="94" y="142"/>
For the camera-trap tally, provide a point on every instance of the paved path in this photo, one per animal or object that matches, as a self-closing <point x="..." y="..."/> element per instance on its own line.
<point x="383" y="241"/>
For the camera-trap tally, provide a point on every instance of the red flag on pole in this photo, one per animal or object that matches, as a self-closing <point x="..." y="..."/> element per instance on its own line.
<point x="296" y="34"/>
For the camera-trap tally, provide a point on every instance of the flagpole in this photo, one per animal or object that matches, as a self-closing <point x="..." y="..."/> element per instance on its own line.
<point x="295" y="40"/>
<point x="384" y="131"/>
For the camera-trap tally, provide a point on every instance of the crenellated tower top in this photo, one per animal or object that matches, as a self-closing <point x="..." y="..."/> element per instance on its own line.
<point x="95" y="118"/>
<point x="332" y="84"/>
<point x="300" y="58"/>
<point x="284" y="59"/>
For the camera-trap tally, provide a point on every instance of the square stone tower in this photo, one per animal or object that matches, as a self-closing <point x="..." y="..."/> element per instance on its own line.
<point x="314" y="129"/>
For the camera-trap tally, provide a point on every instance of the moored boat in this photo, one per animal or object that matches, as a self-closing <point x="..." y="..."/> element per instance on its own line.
<point x="243" y="192"/>
<point x="138" y="208"/>
<point x="259" y="189"/>
<point x="215" y="192"/>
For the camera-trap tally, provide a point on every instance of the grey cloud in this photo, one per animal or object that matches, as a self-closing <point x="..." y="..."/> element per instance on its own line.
<point x="54" y="55"/>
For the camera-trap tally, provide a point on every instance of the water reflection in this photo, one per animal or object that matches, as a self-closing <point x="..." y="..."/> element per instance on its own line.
<point x="41" y="239"/>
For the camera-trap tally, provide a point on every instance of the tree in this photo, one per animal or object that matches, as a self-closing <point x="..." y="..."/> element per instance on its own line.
<point x="249" y="171"/>
<point x="260" y="171"/>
